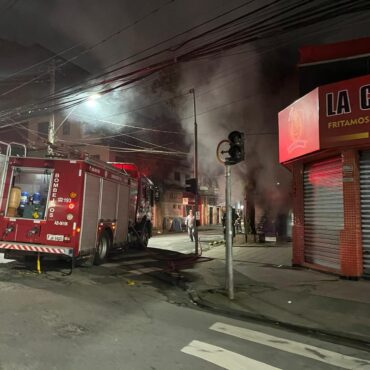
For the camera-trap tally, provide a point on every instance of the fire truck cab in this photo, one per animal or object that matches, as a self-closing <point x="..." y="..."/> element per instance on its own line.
<point x="80" y="209"/>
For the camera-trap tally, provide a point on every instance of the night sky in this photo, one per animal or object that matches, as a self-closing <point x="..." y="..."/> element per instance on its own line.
<point x="242" y="88"/>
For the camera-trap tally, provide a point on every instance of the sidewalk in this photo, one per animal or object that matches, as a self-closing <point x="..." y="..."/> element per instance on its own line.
<point x="268" y="288"/>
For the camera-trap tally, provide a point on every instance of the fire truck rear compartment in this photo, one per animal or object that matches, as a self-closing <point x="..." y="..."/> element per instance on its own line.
<point x="28" y="193"/>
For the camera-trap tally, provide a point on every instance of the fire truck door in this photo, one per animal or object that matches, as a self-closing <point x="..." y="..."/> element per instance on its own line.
<point x="90" y="212"/>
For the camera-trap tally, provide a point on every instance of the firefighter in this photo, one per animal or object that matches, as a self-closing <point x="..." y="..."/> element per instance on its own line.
<point x="189" y="222"/>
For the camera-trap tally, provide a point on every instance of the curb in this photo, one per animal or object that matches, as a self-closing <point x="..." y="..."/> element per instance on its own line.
<point x="328" y="335"/>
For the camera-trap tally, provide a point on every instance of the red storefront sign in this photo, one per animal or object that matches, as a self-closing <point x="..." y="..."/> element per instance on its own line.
<point x="330" y="116"/>
<point x="345" y="113"/>
<point x="299" y="127"/>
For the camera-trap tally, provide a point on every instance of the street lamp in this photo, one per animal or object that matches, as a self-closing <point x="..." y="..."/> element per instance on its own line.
<point x="90" y="101"/>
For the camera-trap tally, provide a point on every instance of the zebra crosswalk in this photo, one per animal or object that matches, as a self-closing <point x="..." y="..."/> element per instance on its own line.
<point x="223" y="357"/>
<point x="227" y="359"/>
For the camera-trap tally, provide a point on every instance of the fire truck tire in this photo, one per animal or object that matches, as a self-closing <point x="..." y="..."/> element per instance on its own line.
<point x="102" y="248"/>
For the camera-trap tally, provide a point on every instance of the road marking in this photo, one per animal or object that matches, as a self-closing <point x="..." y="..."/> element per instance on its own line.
<point x="306" y="350"/>
<point x="223" y="358"/>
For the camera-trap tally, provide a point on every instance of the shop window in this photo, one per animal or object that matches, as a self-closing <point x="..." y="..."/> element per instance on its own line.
<point x="29" y="193"/>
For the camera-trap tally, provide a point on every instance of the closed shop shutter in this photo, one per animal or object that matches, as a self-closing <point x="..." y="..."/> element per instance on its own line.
<point x="323" y="212"/>
<point x="365" y="208"/>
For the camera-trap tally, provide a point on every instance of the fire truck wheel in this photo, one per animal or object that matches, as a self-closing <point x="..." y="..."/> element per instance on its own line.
<point x="102" y="248"/>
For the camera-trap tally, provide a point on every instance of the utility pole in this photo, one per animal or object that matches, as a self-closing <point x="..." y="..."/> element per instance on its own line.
<point x="229" y="236"/>
<point x="51" y="129"/>
<point x="192" y="91"/>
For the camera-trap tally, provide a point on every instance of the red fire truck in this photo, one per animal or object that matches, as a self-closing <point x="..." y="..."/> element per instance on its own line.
<point x="81" y="209"/>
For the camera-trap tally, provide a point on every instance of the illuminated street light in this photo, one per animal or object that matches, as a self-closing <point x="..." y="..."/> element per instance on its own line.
<point x="91" y="100"/>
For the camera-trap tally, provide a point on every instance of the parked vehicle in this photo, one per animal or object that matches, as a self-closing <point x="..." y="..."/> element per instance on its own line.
<point x="80" y="209"/>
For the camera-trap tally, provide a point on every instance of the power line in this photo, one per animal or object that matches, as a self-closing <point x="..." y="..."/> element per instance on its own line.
<point x="145" y="72"/>
<point x="86" y="50"/>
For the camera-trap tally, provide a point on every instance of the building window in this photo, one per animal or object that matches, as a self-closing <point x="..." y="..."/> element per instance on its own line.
<point x="43" y="128"/>
<point x="66" y="128"/>
<point x="95" y="156"/>
<point x="177" y="176"/>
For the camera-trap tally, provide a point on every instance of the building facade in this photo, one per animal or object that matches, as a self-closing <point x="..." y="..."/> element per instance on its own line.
<point x="324" y="140"/>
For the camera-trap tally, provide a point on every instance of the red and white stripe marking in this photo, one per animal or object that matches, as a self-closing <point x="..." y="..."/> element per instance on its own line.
<point x="33" y="248"/>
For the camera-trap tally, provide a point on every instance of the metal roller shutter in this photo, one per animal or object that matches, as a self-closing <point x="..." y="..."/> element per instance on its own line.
<point x="323" y="212"/>
<point x="365" y="208"/>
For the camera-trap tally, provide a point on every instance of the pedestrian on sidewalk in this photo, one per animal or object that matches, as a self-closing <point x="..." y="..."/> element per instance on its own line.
<point x="189" y="222"/>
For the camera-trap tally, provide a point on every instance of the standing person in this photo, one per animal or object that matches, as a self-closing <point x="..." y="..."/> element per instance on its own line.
<point x="190" y="224"/>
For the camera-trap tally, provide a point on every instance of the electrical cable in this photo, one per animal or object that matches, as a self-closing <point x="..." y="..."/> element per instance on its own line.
<point x="86" y="50"/>
<point x="155" y="67"/>
<point x="125" y="28"/>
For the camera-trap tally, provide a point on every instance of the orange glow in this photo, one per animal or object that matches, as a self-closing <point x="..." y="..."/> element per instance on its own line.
<point x="71" y="205"/>
<point x="78" y="229"/>
<point x="72" y="195"/>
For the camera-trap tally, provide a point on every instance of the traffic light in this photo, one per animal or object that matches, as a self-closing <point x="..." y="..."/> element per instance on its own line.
<point x="191" y="185"/>
<point x="236" y="151"/>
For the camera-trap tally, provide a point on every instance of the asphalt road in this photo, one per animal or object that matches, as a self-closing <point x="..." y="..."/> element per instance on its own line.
<point x="131" y="314"/>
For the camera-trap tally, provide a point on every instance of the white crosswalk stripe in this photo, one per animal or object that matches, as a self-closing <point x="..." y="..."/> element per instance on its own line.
<point x="234" y="361"/>
<point x="297" y="348"/>
<point x="224" y="358"/>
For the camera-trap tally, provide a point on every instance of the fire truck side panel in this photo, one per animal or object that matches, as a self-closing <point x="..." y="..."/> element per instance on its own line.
<point x="109" y="201"/>
<point x="90" y="213"/>
<point x="122" y="214"/>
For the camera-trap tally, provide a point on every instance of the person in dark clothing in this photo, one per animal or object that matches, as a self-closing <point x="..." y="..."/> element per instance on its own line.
<point x="234" y="218"/>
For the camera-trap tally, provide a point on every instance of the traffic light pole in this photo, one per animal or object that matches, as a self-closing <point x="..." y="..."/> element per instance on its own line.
<point x="229" y="236"/>
<point x="192" y="91"/>
<point x="236" y="154"/>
